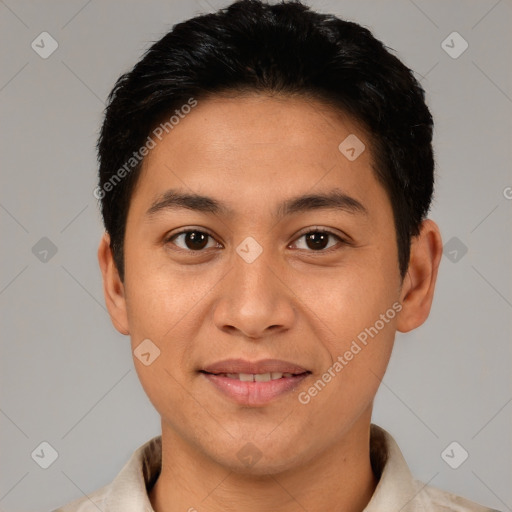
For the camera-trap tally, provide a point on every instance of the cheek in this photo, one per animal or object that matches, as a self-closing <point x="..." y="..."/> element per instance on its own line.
<point x="366" y="322"/>
<point x="357" y="313"/>
<point x="352" y="296"/>
<point x="346" y="386"/>
<point x="166" y="389"/>
<point x="157" y="296"/>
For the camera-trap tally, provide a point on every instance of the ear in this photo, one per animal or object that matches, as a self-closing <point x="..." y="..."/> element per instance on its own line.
<point x="418" y="287"/>
<point x="113" y="288"/>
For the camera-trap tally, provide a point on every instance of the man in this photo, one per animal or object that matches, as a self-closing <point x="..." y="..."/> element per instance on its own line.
<point x="265" y="176"/>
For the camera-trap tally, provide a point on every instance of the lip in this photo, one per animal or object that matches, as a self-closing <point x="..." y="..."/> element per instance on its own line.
<point x="254" y="393"/>
<point x="262" y="366"/>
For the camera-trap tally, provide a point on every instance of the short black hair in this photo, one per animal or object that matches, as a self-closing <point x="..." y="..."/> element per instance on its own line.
<point x="284" y="48"/>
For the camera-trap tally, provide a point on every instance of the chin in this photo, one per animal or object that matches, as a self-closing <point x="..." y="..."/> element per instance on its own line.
<point x="260" y="467"/>
<point x="260" y="457"/>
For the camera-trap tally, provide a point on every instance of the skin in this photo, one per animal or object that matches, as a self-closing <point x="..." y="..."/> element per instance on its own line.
<point x="292" y="302"/>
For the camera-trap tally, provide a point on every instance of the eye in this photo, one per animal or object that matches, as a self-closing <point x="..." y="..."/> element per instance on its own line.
<point x="192" y="240"/>
<point x="318" y="240"/>
<point x="195" y="240"/>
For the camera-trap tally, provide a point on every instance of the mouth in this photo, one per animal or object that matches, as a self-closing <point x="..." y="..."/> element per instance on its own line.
<point x="254" y="383"/>
<point x="257" y="377"/>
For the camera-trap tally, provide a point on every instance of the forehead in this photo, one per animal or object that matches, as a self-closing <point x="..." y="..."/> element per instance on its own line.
<point x="254" y="122"/>
<point x="240" y="146"/>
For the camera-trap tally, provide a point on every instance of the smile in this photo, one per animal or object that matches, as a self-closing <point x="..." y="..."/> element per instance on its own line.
<point x="251" y="389"/>
<point x="256" y="377"/>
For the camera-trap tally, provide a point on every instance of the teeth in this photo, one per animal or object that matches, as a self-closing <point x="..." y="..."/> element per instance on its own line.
<point x="258" y="377"/>
<point x="263" y="377"/>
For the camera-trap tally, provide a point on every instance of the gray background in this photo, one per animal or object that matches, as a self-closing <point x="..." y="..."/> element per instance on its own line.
<point x="67" y="376"/>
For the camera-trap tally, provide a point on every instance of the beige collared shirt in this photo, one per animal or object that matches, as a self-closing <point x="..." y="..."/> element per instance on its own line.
<point x="397" y="491"/>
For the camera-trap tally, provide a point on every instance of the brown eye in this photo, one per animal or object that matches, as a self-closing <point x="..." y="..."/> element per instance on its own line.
<point x="318" y="240"/>
<point x="192" y="240"/>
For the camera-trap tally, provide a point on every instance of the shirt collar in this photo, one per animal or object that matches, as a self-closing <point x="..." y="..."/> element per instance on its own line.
<point x="396" y="489"/>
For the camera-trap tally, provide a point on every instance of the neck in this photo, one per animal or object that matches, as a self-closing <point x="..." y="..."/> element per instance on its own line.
<point x="339" y="479"/>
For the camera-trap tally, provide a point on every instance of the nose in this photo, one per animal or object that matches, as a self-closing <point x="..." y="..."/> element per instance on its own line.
<point x="255" y="300"/>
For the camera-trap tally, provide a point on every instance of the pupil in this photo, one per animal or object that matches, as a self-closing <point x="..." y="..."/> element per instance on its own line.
<point x="196" y="240"/>
<point x="318" y="240"/>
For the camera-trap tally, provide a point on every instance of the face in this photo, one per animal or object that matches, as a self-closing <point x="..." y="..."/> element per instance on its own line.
<point x="250" y="279"/>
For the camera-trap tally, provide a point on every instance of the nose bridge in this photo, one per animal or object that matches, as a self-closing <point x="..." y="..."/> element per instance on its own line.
<point x="254" y="277"/>
<point x="253" y="298"/>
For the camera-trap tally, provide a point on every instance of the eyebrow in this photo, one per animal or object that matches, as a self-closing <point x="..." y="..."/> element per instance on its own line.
<point x="334" y="200"/>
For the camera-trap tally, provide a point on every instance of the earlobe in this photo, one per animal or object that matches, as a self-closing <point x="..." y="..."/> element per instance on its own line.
<point x="113" y="288"/>
<point x="419" y="283"/>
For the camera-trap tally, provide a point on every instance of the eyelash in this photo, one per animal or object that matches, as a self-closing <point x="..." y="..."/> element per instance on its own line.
<point x="341" y="240"/>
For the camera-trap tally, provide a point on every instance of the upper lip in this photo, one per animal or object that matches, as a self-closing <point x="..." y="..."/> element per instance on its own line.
<point x="254" y="367"/>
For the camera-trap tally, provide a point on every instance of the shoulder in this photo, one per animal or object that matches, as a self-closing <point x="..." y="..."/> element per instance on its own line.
<point x="439" y="500"/>
<point x="91" y="503"/>
<point x="399" y="490"/>
<point x="128" y="491"/>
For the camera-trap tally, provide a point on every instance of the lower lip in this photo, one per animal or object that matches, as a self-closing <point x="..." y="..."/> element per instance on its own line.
<point x="254" y="393"/>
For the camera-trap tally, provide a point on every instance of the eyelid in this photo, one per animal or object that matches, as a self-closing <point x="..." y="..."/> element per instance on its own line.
<point x="343" y="239"/>
<point x="168" y="238"/>
<point x="187" y="230"/>
<point x="319" y="229"/>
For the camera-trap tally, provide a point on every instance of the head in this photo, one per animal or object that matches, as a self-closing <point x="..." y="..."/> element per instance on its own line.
<point x="297" y="150"/>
